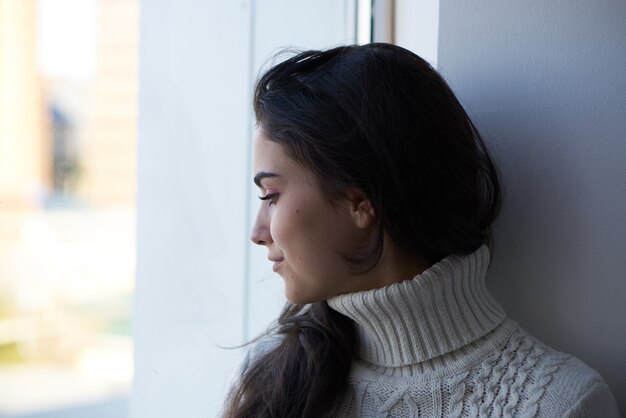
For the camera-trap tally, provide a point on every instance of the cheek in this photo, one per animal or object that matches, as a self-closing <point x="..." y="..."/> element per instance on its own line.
<point x="295" y="232"/>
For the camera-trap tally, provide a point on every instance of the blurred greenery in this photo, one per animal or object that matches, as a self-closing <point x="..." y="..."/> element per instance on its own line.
<point x="118" y="327"/>
<point x="112" y="314"/>
<point x="106" y="315"/>
<point x="7" y="307"/>
<point x="10" y="354"/>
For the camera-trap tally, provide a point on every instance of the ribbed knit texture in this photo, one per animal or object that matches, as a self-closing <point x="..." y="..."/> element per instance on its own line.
<point x="439" y="345"/>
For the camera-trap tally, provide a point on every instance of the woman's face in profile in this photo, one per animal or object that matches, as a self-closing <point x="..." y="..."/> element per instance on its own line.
<point x="303" y="232"/>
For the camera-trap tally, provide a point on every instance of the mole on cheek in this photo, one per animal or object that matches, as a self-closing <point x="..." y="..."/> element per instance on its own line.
<point x="297" y="211"/>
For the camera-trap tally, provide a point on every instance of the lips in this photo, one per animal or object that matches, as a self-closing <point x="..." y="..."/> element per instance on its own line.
<point x="277" y="263"/>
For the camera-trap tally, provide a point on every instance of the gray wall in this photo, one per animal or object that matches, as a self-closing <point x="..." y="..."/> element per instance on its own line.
<point x="546" y="83"/>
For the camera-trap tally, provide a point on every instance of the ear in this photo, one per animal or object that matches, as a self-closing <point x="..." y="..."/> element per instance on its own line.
<point x="361" y="208"/>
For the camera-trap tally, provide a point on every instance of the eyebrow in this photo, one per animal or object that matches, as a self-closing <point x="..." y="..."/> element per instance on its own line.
<point x="261" y="175"/>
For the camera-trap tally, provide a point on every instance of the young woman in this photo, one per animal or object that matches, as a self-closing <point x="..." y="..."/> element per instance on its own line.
<point x="377" y="199"/>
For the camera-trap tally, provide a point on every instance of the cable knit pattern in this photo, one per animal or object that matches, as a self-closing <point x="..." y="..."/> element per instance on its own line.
<point x="439" y="345"/>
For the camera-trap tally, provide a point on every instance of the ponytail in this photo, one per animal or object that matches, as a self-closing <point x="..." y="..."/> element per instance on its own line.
<point x="302" y="376"/>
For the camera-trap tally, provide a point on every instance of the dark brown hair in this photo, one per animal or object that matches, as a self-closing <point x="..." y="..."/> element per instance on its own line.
<point x="380" y="118"/>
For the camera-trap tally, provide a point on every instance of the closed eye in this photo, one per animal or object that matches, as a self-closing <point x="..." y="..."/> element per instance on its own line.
<point x="271" y="197"/>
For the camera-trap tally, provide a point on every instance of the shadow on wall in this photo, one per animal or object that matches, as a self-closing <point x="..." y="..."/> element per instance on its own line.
<point x="544" y="83"/>
<point x="558" y="265"/>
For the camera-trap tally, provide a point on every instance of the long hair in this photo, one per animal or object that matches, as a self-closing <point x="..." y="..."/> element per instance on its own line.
<point x="380" y="118"/>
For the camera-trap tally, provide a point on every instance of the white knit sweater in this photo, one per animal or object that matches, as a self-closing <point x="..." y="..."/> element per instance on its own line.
<point x="439" y="345"/>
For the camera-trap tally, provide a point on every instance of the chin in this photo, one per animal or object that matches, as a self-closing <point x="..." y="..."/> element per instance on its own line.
<point x="298" y="293"/>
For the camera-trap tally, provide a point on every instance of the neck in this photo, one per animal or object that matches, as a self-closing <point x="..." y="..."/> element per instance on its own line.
<point x="394" y="267"/>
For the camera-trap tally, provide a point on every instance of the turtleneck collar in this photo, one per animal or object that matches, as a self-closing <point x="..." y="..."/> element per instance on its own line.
<point x="442" y="309"/>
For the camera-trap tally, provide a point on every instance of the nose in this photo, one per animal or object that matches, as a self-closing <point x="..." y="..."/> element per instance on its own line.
<point x="260" y="233"/>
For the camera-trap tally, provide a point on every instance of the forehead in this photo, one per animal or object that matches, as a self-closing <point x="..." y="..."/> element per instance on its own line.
<point x="267" y="152"/>
<point x="270" y="157"/>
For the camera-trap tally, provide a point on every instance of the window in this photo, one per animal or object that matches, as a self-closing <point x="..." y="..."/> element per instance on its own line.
<point x="68" y="129"/>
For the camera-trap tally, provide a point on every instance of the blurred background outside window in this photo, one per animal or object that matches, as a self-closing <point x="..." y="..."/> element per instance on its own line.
<point x="68" y="128"/>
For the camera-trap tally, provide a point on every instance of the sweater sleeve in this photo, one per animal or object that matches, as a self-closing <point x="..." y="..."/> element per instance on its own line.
<point x="597" y="402"/>
<point x="256" y="350"/>
<point x="263" y="346"/>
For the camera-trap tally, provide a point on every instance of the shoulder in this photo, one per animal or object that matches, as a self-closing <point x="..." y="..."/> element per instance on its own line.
<point x="255" y="350"/>
<point x="561" y="385"/>
<point x="260" y="347"/>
